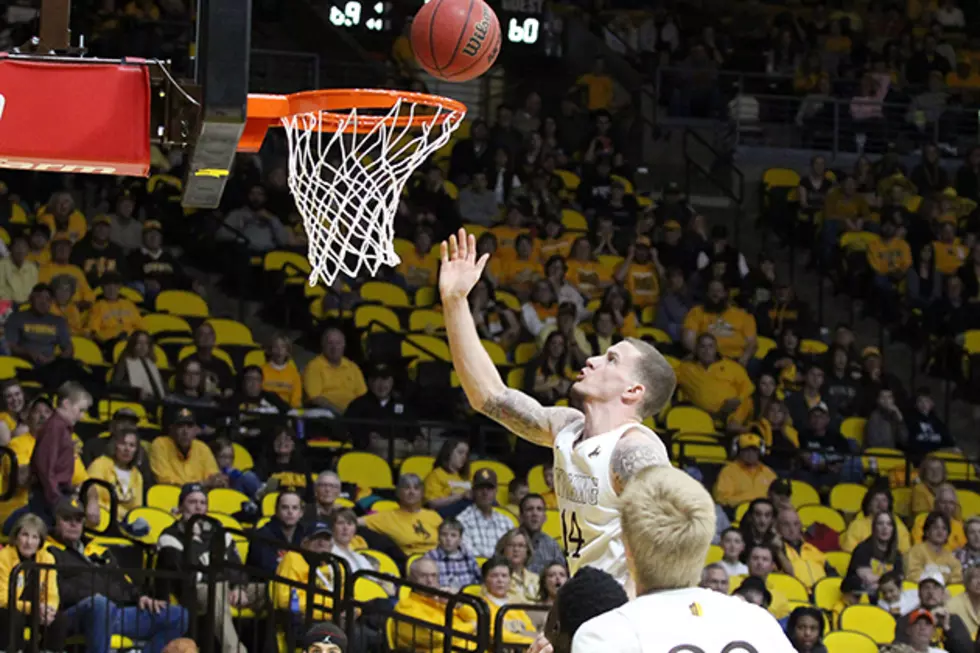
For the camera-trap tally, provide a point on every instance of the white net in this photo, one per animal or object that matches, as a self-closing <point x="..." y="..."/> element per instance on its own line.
<point x="347" y="184"/>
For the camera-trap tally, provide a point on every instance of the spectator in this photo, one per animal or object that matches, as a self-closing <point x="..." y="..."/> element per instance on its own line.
<point x="892" y="599"/>
<point x="179" y="458"/>
<point x="733" y="328"/>
<point x="233" y="589"/>
<point x="890" y="259"/>
<point x="675" y="304"/>
<point x="824" y="451"/>
<point x="745" y="478"/>
<point x="35" y="334"/>
<point x="717" y="385"/>
<point x="96" y="254"/>
<point x="797" y="557"/>
<point x="18" y="275"/>
<point x="284" y="463"/>
<point x="504" y="135"/>
<point x="517" y="489"/>
<point x="927" y="431"/>
<point x="325" y="637"/>
<point x="841" y="386"/>
<point x="137" y="368"/>
<point x="306" y="568"/>
<point x="39" y="240"/>
<point x="413" y="528"/>
<point x="285" y="527"/>
<point x="598" y="86"/>
<point x="964" y="606"/>
<point x="64" y="306"/>
<point x="331" y="380"/>
<point x="640" y="275"/>
<point x="878" y="554"/>
<point x="471" y="157"/>
<point x="799" y="404"/>
<point x="457" y="565"/>
<point x="805" y="630"/>
<point x="926" y="482"/>
<point x="948" y="504"/>
<point x="482" y="525"/>
<point x="125" y="228"/>
<point x="518" y="628"/>
<point x="951" y="632"/>
<point x="732" y="546"/>
<point x="120" y="469"/>
<point x="876" y="500"/>
<point x="28" y="538"/>
<point x="99" y="605"/>
<point x="501" y="178"/>
<point x="244" y="481"/>
<point x="493" y="320"/>
<point x="13" y="420"/>
<point x="925" y="114"/>
<point x="190" y="392"/>
<point x="326" y="491"/>
<point x="932" y="555"/>
<point x="258" y="410"/>
<point x="382" y="401"/>
<point x="544" y="377"/>
<point x="448" y="484"/>
<point x="433" y="204"/>
<point x="924" y="60"/>
<point x="262" y="231"/>
<point x="219" y="379"/>
<point x="477" y="201"/>
<point x="521" y="271"/>
<point x="429" y="608"/>
<point x="553" y="578"/>
<point x="714" y="577"/>
<point x="543" y="548"/>
<point x="279" y="373"/>
<point x="758" y="526"/>
<point x="61" y="266"/>
<point x="419" y="265"/>
<point x="761" y="564"/>
<point x="886" y="425"/>
<point x="61" y="217"/>
<point x="346" y="540"/>
<point x="113" y="317"/>
<point x="968" y="175"/>
<point x="515" y="547"/>
<point x="969" y="554"/>
<point x="155" y="269"/>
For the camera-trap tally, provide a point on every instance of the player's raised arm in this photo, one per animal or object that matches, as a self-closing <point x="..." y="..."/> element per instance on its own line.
<point x="481" y="382"/>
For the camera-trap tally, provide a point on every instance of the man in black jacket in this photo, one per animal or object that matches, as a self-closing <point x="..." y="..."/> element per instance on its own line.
<point x="98" y="599"/>
<point x="285" y="527"/>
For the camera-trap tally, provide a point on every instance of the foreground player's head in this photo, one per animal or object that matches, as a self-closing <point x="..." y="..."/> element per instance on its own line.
<point x="631" y="372"/>
<point x="668" y="522"/>
<point x="588" y="594"/>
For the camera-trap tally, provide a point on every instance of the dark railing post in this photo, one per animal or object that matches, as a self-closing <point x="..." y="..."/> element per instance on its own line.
<point x="836" y="138"/>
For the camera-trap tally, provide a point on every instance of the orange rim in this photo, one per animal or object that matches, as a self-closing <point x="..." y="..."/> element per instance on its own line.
<point x="334" y="107"/>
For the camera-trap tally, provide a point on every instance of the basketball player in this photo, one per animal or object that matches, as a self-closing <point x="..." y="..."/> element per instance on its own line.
<point x="598" y="449"/>
<point x="668" y="521"/>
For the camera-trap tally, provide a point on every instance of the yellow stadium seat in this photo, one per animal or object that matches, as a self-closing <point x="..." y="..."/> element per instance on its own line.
<point x="803" y="494"/>
<point x="812" y="347"/>
<point x="87" y="351"/>
<point x="764" y="346"/>
<point x="229" y="522"/>
<point x="255" y="357"/>
<point x="955" y="589"/>
<point x="384" y="505"/>
<point x="958" y="466"/>
<point x="824" y="514"/>
<point x="643" y="201"/>
<point x="715" y="553"/>
<point x="788" y="586"/>
<point x="902" y="497"/>
<point x="427" y="320"/>
<point x="9" y="365"/>
<point x="740" y="510"/>
<point x="366" y="589"/>
<point x="418" y="465"/>
<point x="451" y="189"/>
<point x="648" y="315"/>
<point x="853" y="242"/>
<point x="515" y="378"/>
<point x="425" y="347"/>
<point x="626" y="183"/>
<point x="971" y="341"/>
<point x="156" y="323"/>
<point x="504" y="476"/>
<point x="826" y="593"/>
<point x="385" y="564"/>
<point x="845" y="641"/>
<point x="853" y="429"/>
<point x="839" y="560"/>
<point x="657" y="335"/>
<point x="509" y="300"/>
<point x="781" y="178"/>
<point x="610" y="261"/>
<point x="525" y="352"/>
<point x="870" y="620"/>
<point x="969" y="503"/>
<point x="535" y="480"/>
<point x="164" y="497"/>
<point x="698" y="447"/>
<point x="106" y="408"/>
<point x="847" y="497"/>
<point x="105" y="520"/>
<point x="496" y="352"/>
<point x="231" y="332"/>
<point x="269" y="504"/>
<point x="156" y="518"/>
<point x="888" y="459"/>
<point x="385" y="293"/>
<point x="226" y="501"/>
<point x="426" y="296"/>
<point x="182" y="302"/>
<point x="552" y="525"/>
<point x="243" y="459"/>
<point x="573" y="220"/>
<point x="376" y="318"/>
<point x="365" y="470"/>
<point x="217" y="352"/>
<point x="402" y="246"/>
<point x="569" y="178"/>
<point x="690" y="419"/>
<point x="508" y="514"/>
<point x="290" y="263"/>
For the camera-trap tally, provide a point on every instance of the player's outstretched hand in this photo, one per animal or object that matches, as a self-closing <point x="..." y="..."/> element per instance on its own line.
<point x="460" y="267"/>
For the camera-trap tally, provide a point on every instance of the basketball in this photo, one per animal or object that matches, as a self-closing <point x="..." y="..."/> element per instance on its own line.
<point x="456" y="40"/>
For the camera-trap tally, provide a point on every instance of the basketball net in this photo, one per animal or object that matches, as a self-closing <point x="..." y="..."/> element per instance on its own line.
<point x="347" y="180"/>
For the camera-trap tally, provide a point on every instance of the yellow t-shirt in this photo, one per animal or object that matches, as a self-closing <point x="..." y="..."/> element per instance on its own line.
<point x="83" y="292"/>
<point x="294" y="567"/>
<point x="413" y="532"/>
<point x="921" y="557"/>
<point x="957" y="536"/>
<point x="839" y="207"/>
<point x="340" y="384"/>
<point x="548" y="247"/>
<point x="949" y="257"/>
<point x="129" y="497"/>
<point x="440" y="484"/>
<point x="518" y="628"/>
<point x="73" y="316"/>
<point x="893" y="256"/>
<point x="520" y="275"/>
<point x="77" y="226"/>
<point x="738" y="483"/>
<point x="419" y="271"/>
<point x="170" y="466"/>
<point x="643" y="283"/>
<point x="599" y="89"/>
<point x="732" y="329"/>
<point x="709" y="387"/>
<point x="507" y="239"/>
<point x="284" y="382"/>
<point x="588" y="277"/>
<point x="550" y="500"/>
<point x="111" y="319"/>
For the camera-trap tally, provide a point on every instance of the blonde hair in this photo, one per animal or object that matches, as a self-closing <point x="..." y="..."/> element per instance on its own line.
<point x="506" y="538"/>
<point x="668" y="522"/>
<point x="30" y="522"/>
<point x="657" y="377"/>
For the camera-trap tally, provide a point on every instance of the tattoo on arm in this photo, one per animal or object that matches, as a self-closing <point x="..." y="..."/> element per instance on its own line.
<point x="631" y="456"/>
<point x="526" y="417"/>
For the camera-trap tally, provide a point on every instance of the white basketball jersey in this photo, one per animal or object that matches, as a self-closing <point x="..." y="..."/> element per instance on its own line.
<point x="691" y="620"/>
<point x="587" y="504"/>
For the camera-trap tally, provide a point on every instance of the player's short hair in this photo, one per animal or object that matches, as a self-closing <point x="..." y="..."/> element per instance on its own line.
<point x="657" y="377"/>
<point x="668" y="521"/>
<point x="588" y="594"/>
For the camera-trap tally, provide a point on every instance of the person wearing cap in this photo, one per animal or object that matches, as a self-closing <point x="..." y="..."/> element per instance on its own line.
<point x="951" y="633"/>
<point x="18" y="274"/>
<point x="413" y="528"/>
<point x="99" y="605"/>
<point x="382" y="401"/>
<point x="874" y="377"/>
<point x="732" y="327"/>
<point x="325" y="637"/>
<point x="290" y="601"/>
<point x="155" y="268"/>
<point x="331" y="380"/>
<point x="96" y="254"/>
<point x="745" y="478"/>
<point x="178" y="457"/>
<point x="717" y="385"/>
<point x="639" y="273"/>
<point x="37" y="335"/>
<point x="60" y="265"/>
<point x="824" y="452"/>
<point x="798" y="557"/>
<point x="932" y="553"/>
<point x="125" y="229"/>
<point x="920" y="631"/>
<point x="113" y="317"/>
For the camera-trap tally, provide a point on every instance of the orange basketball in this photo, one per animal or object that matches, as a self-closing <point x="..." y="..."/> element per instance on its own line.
<point x="456" y="40"/>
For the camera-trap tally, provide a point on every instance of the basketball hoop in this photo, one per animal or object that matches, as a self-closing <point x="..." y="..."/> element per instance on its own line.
<point x="350" y="154"/>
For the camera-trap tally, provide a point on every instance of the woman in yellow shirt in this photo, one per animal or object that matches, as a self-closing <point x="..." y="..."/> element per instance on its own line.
<point x="932" y="475"/>
<point x="449" y="481"/>
<point x="119" y="469"/>
<point x="875" y="500"/>
<point x="280" y="375"/>
<point x="515" y="548"/>
<point x="931" y="556"/>
<point x="497" y="579"/>
<point x="37" y="589"/>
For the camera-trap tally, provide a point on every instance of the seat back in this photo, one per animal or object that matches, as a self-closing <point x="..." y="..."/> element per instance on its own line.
<point x="366" y="470"/>
<point x="870" y="620"/>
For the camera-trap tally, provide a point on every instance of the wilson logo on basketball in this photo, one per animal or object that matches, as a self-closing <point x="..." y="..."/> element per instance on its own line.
<point x="480" y="31"/>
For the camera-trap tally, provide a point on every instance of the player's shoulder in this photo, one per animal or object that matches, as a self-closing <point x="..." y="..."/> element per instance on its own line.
<point x="610" y="631"/>
<point x="643" y="437"/>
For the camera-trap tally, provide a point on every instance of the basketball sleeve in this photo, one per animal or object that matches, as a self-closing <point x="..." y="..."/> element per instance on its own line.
<point x="607" y="632"/>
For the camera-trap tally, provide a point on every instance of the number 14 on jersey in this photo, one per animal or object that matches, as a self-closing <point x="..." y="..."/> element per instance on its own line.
<point x="571" y="534"/>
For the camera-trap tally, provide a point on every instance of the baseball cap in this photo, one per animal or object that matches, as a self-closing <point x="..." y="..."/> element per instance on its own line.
<point x="781" y="487"/>
<point x="126" y="413"/>
<point x="820" y="405"/>
<point x="934" y="575"/>
<point x="921" y="613"/>
<point x="380" y="371"/>
<point x="672" y="225"/>
<point x="184" y="416"/>
<point x="102" y="219"/>
<point x="150" y="225"/>
<point x="868" y="352"/>
<point x="643" y="240"/>
<point x="188" y="489"/>
<point x="69" y="508"/>
<point x="42" y="287"/>
<point x="485" y="478"/>
<point x="749" y="441"/>
<point x="326" y="632"/>
<point x="319" y="529"/>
